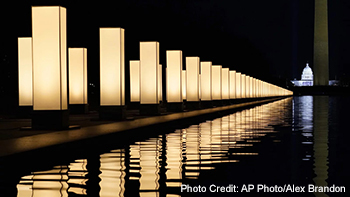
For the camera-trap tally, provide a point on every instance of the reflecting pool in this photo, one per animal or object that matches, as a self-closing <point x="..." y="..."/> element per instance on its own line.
<point x="296" y="141"/>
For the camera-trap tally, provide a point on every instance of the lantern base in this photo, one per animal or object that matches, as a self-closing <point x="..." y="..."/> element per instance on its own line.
<point x="206" y="104"/>
<point x="134" y="105"/>
<point x="149" y="109"/>
<point x="78" y="108"/>
<point x="175" y="107"/>
<point x="217" y="103"/>
<point x="112" y="112"/>
<point x="226" y="102"/>
<point x="50" y="119"/>
<point x="193" y="105"/>
<point x="24" y="111"/>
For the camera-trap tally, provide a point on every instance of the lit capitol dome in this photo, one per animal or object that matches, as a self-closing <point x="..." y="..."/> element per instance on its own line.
<point x="307" y="73"/>
<point x="307" y="77"/>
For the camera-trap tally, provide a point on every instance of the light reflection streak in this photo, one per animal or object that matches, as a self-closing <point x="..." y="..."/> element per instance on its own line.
<point x="176" y="156"/>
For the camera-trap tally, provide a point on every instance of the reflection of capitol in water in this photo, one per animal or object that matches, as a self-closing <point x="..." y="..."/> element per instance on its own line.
<point x="163" y="163"/>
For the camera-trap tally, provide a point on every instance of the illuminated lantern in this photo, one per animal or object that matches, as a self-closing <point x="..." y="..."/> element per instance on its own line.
<point x="247" y="86"/>
<point x="192" y="82"/>
<point x="238" y="85"/>
<point x="205" y="84"/>
<point x="77" y="66"/>
<point x="174" y="80"/>
<point x="112" y="74"/>
<point x="243" y="88"/>
<point x="216" y="84"/>
<point x="50" y="106"/>
<point x="149" y="72"/>
<point x="25" y="72"/>
<point x="225" y="88"/>
<point x="199" y="87"/>
<point x="184" y="84"/>
<point x="232" y="84"/>
<point x="134" y="80"/>
<point x="160" y="84"/>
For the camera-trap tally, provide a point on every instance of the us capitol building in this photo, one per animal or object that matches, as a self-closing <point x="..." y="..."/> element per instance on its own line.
<point x="307" y="78"/>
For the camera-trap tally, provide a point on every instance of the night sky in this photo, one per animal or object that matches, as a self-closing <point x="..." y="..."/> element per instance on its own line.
<point x="269" y="40"/>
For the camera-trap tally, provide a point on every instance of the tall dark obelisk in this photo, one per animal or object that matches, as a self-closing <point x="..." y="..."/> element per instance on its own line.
<point x="321" y="67"/>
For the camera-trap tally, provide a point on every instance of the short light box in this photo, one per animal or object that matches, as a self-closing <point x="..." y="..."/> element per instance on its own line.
<point x="134" y="80"/>
<point x="77" y="66"/>
<point x="25" y="71"/>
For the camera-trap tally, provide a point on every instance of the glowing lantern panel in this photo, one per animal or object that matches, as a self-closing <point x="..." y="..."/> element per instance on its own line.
<point x="112" y="67"/>
<point x="232" y="84"/>
<point x="49" y="58"/>
<point x="174" y="76"/>
<point x="25" y="71"/>
<point x="205" y="85"/>
<point x="192" y="72"/>
<point x="77" y="63"/>
<point x="184" y="84"/>
<point x="149" y="72"/>
<point x="216" y="82"/>
<point x="225" y="88"/>
<point x="135" y="81"/>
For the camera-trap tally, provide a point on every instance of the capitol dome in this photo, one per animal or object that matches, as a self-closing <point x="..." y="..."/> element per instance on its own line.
<point x="307" y="73"/>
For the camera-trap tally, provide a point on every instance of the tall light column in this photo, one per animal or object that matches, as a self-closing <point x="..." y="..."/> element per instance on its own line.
<point x="174" y="80"/>
<point x="149" y="72"/>
<point x="205" y="84"/>
<point x="50" y="106"/>
<point x="321" y="67"/>
<point x="216" y="84"/>
<point x="192" y="82"/>
<point x="112" y="74"/>
<point x="225" y="86"/>
<point x="238" y="85"/>
<point x="232" y="84"/>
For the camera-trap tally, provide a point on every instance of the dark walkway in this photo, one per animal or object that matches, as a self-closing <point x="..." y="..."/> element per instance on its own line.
<point x="13" y="140"/>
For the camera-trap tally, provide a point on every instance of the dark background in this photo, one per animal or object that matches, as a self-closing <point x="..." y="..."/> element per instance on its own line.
<point x="269" y="40"/>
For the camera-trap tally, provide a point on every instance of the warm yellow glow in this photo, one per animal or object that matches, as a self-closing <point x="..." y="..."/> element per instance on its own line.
<point x="250" y="86"/>
<point x="77" y="67"/>
<point x="112" y="65"/>
<point x="25" y="71"/>
<point x="160" y="83"/>
<point x="243" y="84"/>
<point x="184" y="84"/>
<point x="192" y="81"/>
<point x="134" y="81"/>
<point x="49" y="58"/>
<point x="232" y="84"/>
<point x="216" y="82"/>
<point x="238" y="85"/>
<point x="247" y="86"/>
<point x="174" y="76"/>
<point x="149" y="72"/>
<point x="225" y="79"/>
<point x="199" y="86"/>
<point x="205" y="85"/>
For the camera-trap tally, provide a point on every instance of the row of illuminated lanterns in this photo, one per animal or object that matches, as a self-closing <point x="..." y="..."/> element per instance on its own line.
<point x="43" y="71"/>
